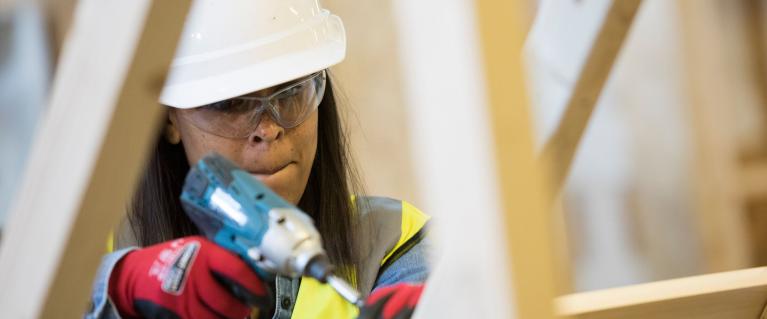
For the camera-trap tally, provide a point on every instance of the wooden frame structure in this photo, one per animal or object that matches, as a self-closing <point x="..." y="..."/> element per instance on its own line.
<point x="88" y="154"/>
<point x="734" y="294"/>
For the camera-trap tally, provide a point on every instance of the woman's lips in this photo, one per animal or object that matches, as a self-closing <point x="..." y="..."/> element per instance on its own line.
<point x="269" y="171"/>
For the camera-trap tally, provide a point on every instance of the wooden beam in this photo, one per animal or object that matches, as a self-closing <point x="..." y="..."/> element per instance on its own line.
<point x="87" y="157"/>
<point x="754" y="26"/>
<point x="526" y="222"/>
<point x="713" y="84"/>
<point x="467" y="200"/>
<point x="559" y="150"/>
<point x="738" y="294"/>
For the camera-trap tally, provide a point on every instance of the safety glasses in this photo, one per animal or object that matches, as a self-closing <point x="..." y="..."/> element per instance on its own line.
<point x="238" y="117"/>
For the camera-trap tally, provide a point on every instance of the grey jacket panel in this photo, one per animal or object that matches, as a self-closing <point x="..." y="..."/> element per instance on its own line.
<point x="379" y="231"/>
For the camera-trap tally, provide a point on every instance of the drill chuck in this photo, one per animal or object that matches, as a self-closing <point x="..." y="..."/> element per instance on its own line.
<point x="319" y="268"/>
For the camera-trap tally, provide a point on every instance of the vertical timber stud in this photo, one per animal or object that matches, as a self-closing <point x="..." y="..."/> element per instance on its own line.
<point x="527" y="224"/>
<point x="560" y="149"/>
<point x="87" y="157"/>
<point x="713" y="90"/>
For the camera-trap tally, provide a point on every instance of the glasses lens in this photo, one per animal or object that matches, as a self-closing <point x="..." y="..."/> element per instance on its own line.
<point x="294" y="104"/>
<point x="229" y="118"/>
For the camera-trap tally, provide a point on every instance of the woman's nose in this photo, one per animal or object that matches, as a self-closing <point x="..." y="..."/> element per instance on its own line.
<point x="267" y="130"/>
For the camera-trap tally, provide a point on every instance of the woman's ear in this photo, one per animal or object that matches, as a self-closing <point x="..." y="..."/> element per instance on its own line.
<point x="172" y="135"/>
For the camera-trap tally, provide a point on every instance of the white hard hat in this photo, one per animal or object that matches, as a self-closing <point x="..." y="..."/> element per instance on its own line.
<point x="234" y="47"/>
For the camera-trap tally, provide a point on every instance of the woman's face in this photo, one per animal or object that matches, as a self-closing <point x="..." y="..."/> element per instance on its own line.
<point x="281" y="158"/>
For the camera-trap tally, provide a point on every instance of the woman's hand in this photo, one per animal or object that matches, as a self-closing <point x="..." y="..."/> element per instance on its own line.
<point x="396" y="301"/>
<point x="189" y="277"/>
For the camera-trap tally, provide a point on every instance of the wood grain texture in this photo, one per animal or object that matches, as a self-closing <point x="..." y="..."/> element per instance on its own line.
<point x="526" y="221"/>
<point x="87" y="157"/>
<point x="728" y="295"/>
<point x="713" y="84"/>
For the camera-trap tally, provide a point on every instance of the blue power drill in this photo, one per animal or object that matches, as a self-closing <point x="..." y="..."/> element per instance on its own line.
<point x="241" y="214"/>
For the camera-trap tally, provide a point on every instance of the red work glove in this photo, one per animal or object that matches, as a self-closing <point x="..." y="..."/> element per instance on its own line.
<point x="392" y="302"/>
<point x="189" y="277"/>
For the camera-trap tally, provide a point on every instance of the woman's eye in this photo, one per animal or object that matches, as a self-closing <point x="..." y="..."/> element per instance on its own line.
<point x="228" y="106"/>
<point x="292" y="91"/>
<point x="218" y="106"/>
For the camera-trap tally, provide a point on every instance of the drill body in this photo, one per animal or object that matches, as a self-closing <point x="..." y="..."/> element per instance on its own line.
<point x="241" y="214"/>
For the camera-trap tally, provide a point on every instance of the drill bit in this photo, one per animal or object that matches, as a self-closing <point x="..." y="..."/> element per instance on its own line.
<point x="345" y="290"/>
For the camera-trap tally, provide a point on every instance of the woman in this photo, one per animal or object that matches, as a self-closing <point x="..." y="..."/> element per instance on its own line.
<point x="249" y="81"/>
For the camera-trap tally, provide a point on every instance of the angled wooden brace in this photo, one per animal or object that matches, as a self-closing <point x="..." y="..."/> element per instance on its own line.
<point x="560" y="149"/>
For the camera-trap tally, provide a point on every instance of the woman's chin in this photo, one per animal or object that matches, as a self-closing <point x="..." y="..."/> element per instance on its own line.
<point x="280" y="181"/>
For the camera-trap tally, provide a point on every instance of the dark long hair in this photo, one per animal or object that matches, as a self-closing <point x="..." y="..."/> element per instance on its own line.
<point x="155" y="213"/>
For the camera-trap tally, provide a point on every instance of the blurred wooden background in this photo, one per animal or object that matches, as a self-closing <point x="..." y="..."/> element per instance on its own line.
<point x="671" y="176"/>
